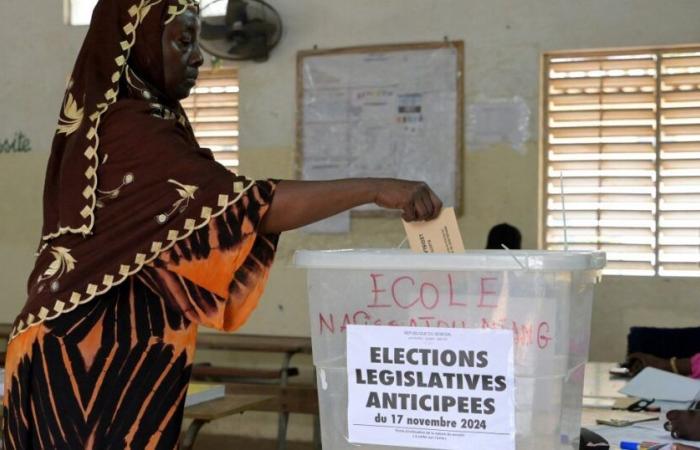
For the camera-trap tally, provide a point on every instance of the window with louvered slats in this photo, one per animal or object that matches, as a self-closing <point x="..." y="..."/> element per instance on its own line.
<point x="78" y="12"/>
<point x="679" y="163"/>
<point x="621" y="138"/>
<point x="213" y="111"/>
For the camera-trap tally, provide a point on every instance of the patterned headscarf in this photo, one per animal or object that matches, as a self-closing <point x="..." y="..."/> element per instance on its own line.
<point x="121" y="31"/>
<point x="126" y="179"/>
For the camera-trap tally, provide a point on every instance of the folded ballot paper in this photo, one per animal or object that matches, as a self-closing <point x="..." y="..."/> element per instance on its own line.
<point x="440" y="235"/>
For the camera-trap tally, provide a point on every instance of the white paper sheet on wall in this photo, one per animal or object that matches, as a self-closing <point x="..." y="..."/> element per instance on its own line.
<point x="498" y="121"/>
<point x="339" y="223"/>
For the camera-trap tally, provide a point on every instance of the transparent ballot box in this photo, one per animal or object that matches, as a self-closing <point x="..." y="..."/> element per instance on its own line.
<point x="545" y="298"/>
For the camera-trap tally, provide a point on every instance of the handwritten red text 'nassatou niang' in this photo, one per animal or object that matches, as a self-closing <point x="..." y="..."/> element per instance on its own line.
<point x="405" y="293"/>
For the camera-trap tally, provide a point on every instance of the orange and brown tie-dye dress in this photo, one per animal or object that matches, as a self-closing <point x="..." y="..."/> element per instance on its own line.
<point x="113" y="373"/>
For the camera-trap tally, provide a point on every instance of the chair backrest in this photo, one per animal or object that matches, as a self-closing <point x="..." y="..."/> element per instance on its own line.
<point x="664" y="342"/>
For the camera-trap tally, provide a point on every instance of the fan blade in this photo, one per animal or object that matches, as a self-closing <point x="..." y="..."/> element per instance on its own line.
<point x="210" y="31"/>
<point x="254" y="48"/>
<point x="261" y="51"/>
<point x="258" y="26"/>
<point x="236" y="11"/>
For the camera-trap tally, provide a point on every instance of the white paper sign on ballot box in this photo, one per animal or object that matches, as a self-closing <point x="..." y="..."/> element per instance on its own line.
<point x="439" y="388"/>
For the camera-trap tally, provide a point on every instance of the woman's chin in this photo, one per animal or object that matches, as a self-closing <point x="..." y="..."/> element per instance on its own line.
<point x="185" y="90"/>
<point x="181" y="95"/>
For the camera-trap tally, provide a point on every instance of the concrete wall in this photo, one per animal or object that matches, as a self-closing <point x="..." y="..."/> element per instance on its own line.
<point x="503" y="40"/>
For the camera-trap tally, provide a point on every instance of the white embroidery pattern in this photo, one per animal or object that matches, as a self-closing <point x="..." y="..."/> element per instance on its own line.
<point x="186" y="192"/>
<point x="113" y="193"/>
<point x="72" y="117"/>
<point x="62" y="263"/>
<point x="174" y="10"/>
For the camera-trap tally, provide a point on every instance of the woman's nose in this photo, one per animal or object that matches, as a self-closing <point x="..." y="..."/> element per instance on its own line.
<point x="197" y="58"/>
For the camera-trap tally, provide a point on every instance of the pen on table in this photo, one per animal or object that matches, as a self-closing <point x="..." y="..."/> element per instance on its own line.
<point x="628" y="445"/>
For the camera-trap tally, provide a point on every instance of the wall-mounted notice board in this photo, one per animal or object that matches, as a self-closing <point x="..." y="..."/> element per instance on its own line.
<point x="383" y="111"/>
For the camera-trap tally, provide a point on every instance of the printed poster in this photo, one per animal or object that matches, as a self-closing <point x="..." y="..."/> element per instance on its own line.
<point x="438" y="388"/>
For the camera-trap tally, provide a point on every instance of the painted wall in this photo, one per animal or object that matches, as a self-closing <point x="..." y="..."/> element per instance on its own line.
<point x="503" y="42"/>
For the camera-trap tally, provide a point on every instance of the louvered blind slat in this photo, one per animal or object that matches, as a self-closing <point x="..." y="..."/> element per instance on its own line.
<point x="213" y="111"/>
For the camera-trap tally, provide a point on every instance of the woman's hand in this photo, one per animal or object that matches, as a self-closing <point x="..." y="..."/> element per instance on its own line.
<point x="684" y="424"/>
<point x="414" y="198"/>
<point x="638" y="361"/>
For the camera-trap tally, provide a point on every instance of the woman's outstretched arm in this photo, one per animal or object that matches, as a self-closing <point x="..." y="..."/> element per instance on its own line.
<point x="299" y="203"/>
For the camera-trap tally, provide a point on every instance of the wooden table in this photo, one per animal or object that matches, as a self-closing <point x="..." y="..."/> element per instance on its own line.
<point x="600" y="384"/>
<point x="254" y="343"/>
<point x="205" y="412"/>
<point x="287" y="346"/>
<point x="226" y="406"/>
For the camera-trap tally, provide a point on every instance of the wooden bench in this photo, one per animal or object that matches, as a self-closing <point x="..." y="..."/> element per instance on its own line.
<point x="272" y="382"/>
<point x="204" y="413"/>
<point x="287" y="346"/>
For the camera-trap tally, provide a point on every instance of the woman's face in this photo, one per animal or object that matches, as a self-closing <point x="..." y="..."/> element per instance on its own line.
<point x="181" y="54"/>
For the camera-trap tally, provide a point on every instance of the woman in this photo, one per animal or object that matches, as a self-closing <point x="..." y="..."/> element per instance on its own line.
<point x="683" y="366"/>
<point x="681" y="424"/>
<point x="684" y="424"/>
<point x="145" y="238"/>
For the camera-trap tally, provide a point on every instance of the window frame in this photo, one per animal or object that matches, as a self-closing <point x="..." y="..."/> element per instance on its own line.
<point x="544" y="138"/>
<point x="68" y="9"/>
<point x="190" y="103"/>
<point x="68" y="14"/>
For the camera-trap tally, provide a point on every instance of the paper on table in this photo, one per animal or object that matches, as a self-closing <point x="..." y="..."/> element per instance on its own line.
<point x="661" y="385"/>
<point x="440" y="235"/>
<point x="652" y="432"/>
<point x="640" y="432"/>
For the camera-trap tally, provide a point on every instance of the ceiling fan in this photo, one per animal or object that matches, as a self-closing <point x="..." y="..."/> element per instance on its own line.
<point x="248" y="30"/>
